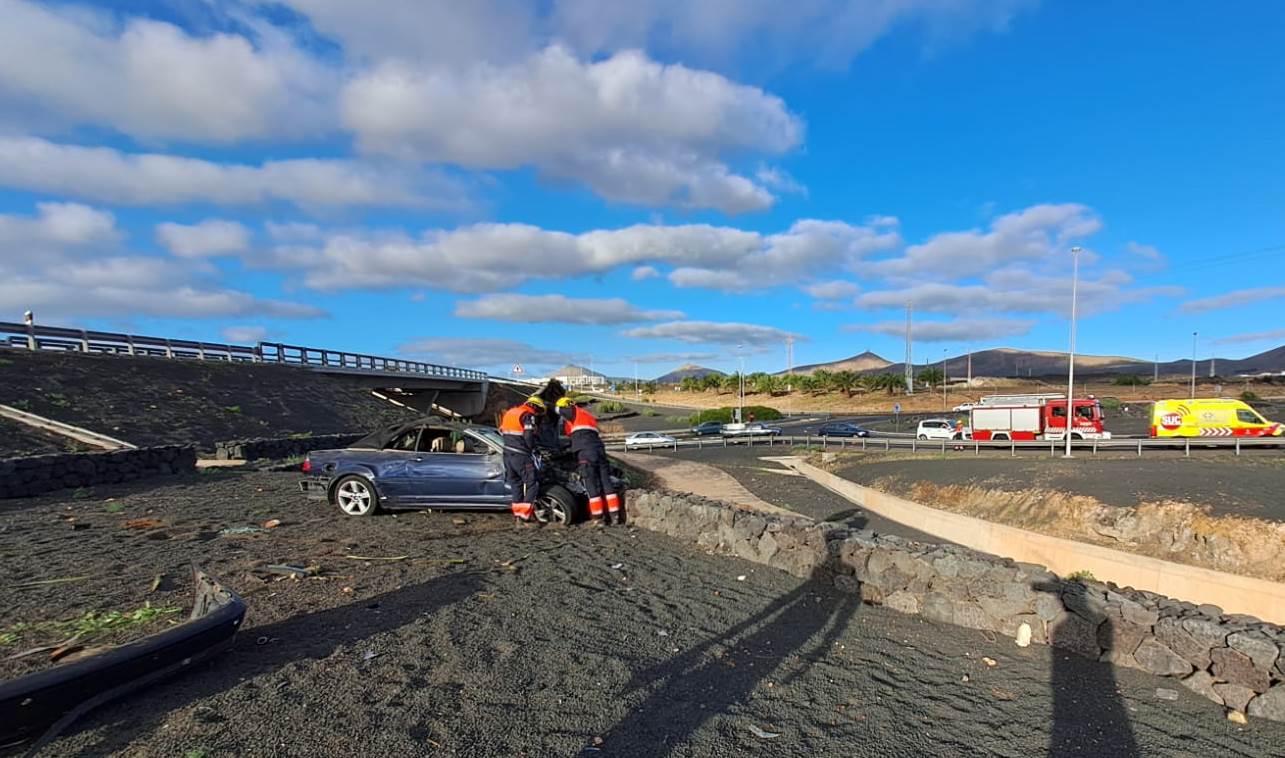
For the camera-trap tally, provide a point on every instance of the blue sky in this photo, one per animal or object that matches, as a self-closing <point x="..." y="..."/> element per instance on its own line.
<point x="501" y="182"/>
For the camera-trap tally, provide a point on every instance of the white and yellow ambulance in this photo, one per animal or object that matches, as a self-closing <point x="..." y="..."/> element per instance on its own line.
<point x="1212" y="417"/>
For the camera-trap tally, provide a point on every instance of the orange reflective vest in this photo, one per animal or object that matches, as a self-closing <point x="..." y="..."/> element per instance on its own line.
<point x="515" y="420"/>
<point x="583" y="422"/>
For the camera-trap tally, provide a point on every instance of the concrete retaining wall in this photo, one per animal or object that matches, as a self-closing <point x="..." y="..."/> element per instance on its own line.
<point x="38" y="474"/>
<point x="1235" y="660"/>
<point x="276" y="448"/>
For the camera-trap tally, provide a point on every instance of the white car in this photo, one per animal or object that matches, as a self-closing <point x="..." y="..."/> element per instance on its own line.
<point x="936" y="429"/>
<point x="963" y="408"/>
<point x="648" y="439"/>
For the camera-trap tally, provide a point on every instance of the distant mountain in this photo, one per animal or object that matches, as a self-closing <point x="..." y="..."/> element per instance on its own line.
<point x="1008" y="362"/>
<point x="864" y="362"/>
<point x="686" y="370"/>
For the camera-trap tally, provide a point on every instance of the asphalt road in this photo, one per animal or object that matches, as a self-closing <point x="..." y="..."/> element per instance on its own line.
<point x="486" y="641"/>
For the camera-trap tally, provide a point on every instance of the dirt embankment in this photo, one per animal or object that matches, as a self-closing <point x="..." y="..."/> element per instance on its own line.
<point x="151" y="401"/>
<point x="1183" y="511"/>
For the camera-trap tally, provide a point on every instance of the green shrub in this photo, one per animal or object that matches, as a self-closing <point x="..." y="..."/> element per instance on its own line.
<point x="610" y="406"/>
<point x="1249" y="396"/>
<point x="1081" y="576"/>
<point x="232" y="408"/>
<point x="1108" y="403"/>
<point x="724" y="415"/>
<point x="651" y="412"/>
<point x="1132" y="380"/>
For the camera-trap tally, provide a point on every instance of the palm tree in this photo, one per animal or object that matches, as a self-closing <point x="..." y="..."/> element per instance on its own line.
<point x="932" y="376"/>
<point x="845" y="382"/>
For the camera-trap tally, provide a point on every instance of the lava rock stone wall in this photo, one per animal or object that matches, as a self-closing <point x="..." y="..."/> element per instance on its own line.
<point x="276" y="448"/>
<point x="38" y="474"/>
<point x="1236" y="661"/>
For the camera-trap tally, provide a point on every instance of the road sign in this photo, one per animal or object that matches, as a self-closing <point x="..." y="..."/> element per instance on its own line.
<point x="517" y="368"/>
<point x="896" y="408"/>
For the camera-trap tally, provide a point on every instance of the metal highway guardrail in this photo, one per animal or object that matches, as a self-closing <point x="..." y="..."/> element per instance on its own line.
<point x="888" y="444"/>
<point x="335" y="360"/>
<point x="64" y="339"/>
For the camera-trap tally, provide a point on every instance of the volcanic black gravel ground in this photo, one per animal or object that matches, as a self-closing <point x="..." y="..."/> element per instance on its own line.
<point x="17" y="440"/>
<point x="643" y="642"/>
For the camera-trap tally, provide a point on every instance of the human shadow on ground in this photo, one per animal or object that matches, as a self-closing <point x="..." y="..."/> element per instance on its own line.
<point x="711" y="678"/>
<point x="264" y="649"/>
<point x="1090" y="717"/>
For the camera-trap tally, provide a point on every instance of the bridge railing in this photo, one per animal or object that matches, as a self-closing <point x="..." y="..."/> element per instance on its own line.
<point x="299" y="355"/>
<point x="59" y="338"/>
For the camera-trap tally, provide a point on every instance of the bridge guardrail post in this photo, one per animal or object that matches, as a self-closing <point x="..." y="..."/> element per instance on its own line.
<point x="1238" y="446"/>
<point x="1139" y="448"/>
<point x="1187" y="448"/>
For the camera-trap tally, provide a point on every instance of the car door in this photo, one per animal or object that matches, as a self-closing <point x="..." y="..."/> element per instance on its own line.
<point x="392" y="463"/>
<point x="453" y="468"/>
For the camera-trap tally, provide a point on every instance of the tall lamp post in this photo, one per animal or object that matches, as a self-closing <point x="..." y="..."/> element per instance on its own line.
<point x="1070" y="366"/>
<point x="740" y="403"/>
<point x="1193" y="365"/>
<point x="944" y="403"/>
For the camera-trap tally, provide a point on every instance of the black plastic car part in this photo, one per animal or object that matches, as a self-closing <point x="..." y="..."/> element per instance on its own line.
<point x="47" y="702"/>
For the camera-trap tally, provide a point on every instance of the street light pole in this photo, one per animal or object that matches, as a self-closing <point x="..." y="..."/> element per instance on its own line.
<point x="1070" y="366"/>
<point x="944" y="403"/>
<point x="1193" y="365"/>
<point x="740" y="404"/>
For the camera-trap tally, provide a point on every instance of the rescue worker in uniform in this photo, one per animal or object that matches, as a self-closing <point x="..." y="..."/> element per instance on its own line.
<point x="518" y="426"/>
<point x="586" y="444"/>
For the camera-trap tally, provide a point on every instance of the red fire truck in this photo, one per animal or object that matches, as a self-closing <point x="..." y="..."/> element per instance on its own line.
<point x="1035" y="417"/>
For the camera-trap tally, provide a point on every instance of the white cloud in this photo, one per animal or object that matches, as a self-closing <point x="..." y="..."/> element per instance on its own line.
<point x="644" y="272"/>
<point x="558" y="309"/>
<point x="832" y="290"/>
<point x="484" y="353"/>
<point x="823" y="33"/>
<point x="69" y="66"/>
<point x="679" y="358"/>
<point x="713" y="333"/>
<point x="1037" y="232"/>
<point x="208" y="238"/>
<point x="63" y="225"/>
<point x="1234" y="299"/>
<point x="1149" y="252"/>
<point x="630" y="128"/>
<point x="66" y="262"/>
<point x="960" y="330"/>
<point x="490" y="257"/>
<point x="245" y="334"/>
<point x="1015" y="290"/>
<point x="1273" y="335"/>
<point x="111" y="176"/>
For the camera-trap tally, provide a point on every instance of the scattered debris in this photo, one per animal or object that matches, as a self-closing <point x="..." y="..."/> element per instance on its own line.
<point x="376" y="557"/>
<point x="662" y="633"/>
<point x="999" y="693"/>
<point x="990" y="661"/>
<point x="761" y="734"/>
<point x="369" y="655"/>
<point x="65" y="648"/>
<point x="156" y="582"/>
<point x="617" y="566"/>
<point x="1023" y="635"/>
<point x="32" y="651"/>
<point x="1236" y="716"/>
<point x="286" y="569"/>
<point x="42" y="582"/>
<point x="232" y="530"/>
<point x="740" y="578"/>
<point x="346" y="590"/>
<point x="272" y="523"/>
<point x="1166" y="694"/>
<point x="142" y="523"/>
<point x="459" y="521"/>
<point x="965" y="679"/>
<point x="114" y="507"/>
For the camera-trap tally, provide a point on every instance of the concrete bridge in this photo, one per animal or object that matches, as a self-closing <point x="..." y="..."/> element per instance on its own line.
<point x="426" y="387"/>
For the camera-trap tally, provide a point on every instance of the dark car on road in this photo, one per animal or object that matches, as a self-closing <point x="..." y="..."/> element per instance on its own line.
<point x="432" y="463"/>
<point x="708" y="429"/>
<point x="842" y="429"/>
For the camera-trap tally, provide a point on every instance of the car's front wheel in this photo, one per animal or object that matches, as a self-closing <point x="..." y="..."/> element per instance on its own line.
<point x="355" y="496"/>
<point x="558" y="506"/>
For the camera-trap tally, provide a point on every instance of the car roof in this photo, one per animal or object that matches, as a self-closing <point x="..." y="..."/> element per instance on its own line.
<point x="946" y="420"/>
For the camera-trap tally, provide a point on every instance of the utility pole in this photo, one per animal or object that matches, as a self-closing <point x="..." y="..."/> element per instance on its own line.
<point x="970" y="369"/>
<point x="1155" y="370"/>
<point x="910" y="369"/>
<point x="1070" y="369"/>
<point x="637" y="392"/>
<point x="1193" y="365"/>
<point x="789" y="363"/>
<point x="740" y="403"/>
<point x="943" y="379"/>
<point x="1212" y="371"/>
